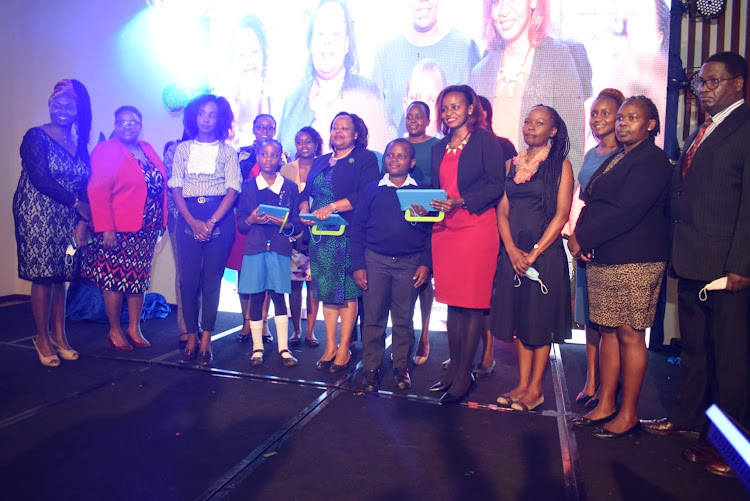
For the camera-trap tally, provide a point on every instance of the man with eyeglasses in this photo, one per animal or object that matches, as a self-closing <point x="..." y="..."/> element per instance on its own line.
<point x="710" y="202"/>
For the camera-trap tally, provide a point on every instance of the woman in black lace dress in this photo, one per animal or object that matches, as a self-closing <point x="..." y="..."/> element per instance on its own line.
<point x="51" y="213"/>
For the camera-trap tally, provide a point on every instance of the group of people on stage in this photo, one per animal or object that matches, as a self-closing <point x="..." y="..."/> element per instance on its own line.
<point x="497" y="252"/>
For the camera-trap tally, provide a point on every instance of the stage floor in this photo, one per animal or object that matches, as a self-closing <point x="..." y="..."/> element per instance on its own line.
<point x="137" y="425"/>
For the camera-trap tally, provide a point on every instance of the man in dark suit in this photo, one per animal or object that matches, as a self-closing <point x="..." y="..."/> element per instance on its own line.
<point x="710" y="201"/>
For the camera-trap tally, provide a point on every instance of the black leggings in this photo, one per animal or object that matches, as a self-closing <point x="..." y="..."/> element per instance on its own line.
<point x="256" y="304"/>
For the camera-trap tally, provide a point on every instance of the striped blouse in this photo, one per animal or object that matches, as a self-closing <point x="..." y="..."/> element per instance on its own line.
<point x="198" y="179"/>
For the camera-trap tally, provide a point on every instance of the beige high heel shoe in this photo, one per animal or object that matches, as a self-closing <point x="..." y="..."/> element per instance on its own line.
<point x="66" y="354"/>
<point x="50" y="361"/>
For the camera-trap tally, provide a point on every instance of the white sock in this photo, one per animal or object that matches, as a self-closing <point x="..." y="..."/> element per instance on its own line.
<point x="256" y="329"/>
<point x="282" y="334"/>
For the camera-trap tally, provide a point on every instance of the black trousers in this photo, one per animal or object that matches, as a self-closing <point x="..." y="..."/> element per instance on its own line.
<point x="715" y="358"/>
<point x="390" y="287"/>
<point x="202" y="266"/>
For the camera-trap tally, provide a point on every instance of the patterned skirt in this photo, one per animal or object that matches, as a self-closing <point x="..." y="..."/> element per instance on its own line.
<point x="624" y="294"/>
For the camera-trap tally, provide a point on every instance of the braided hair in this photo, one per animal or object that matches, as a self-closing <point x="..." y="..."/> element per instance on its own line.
<point x="83" y="119"/>
<point x="551" y="169"/>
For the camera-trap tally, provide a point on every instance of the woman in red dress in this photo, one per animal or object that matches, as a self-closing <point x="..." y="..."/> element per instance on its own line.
<point x="467" y="163"/>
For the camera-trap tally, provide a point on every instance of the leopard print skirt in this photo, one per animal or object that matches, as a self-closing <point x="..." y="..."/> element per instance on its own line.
<point x="624" y="294"/>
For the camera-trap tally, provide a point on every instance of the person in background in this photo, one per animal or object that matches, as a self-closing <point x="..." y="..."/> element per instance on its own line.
<point x="710" y="204"/>
<point x="467" y="164"/>
<point x="417" y="122"/>
<point x="205" y="182"/>
<point x="309" y="146"/>
<point x="602" y="118"/>
<point x="391" y="259"/>
<point x="51" y="212"/>
<point x="125" y="173"/>
<point x="334" y="185"/>
<point x="622" y="235"/>
<point x="172" y="215"/>
<point x="426" y="81"/>
<point x="531" y="305"/>
<point x="267" y="263"/>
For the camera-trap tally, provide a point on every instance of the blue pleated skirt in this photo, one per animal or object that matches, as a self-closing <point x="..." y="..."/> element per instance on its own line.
<point x="266" y="271"/>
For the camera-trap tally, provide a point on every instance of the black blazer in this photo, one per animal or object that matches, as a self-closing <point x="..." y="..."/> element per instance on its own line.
<point x="481" y="170"/>
<point x="351" y="175"/>
<point x="711" y="206"/>
<point x="625" y="218"/>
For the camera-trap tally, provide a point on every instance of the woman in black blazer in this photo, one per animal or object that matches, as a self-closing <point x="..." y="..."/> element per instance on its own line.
<point x="333" y="187"/>
<point x="622" y="235"/>
<point x="468" y="164"/>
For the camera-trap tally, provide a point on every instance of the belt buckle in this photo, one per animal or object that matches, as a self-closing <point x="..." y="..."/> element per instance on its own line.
<point x="201" y="200"/>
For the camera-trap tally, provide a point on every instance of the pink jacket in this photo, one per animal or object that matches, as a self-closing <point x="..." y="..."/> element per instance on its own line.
<point x="117" y="190"/>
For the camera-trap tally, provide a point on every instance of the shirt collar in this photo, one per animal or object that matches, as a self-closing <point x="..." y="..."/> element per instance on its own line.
<point x="386" y="181"/>
<point x="726" y="111"/>
<point x="275" y="187"/>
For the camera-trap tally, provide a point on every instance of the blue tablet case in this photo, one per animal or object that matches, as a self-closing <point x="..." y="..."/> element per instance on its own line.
<point x="333" y="220"/>
<point x="274" y="211"/>
<point x="407" y="197"/>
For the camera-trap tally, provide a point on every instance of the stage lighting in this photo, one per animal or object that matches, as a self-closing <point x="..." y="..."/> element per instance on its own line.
<point x="174" y="98"/>
<point x="710" y="9"/>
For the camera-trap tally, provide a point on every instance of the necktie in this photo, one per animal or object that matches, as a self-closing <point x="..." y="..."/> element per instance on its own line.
<point x="694" y="147"/>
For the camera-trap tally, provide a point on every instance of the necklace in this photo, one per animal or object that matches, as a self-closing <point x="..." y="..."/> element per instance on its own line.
<point x="526" y="168"/>
<point x="460" y="146"/>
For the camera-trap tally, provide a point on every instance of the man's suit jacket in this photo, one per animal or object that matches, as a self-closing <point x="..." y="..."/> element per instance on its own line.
<point x="711" y="205"/>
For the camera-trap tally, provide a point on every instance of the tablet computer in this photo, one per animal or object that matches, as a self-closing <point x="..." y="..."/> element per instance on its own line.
<point x="333" y="220"/>
<point x="407" y="197"/>
<point x="274" y="211"/>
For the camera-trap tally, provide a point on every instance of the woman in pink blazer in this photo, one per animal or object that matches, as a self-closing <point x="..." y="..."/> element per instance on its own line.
<point x="128" y="197"/>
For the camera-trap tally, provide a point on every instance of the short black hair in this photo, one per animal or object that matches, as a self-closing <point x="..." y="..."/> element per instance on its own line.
<point x="263" y="115"/>
<point x="734" y="63"/>
<point x="131" y="109"/>
<point x="224" y="115"/>
<point x="359" y="127"/>
<point x="406" y="143"/>
<point x="653" y="113"/>
<point x="424" y="106"/>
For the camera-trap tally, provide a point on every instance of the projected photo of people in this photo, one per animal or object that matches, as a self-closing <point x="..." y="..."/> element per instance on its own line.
<point x="244" y="86"/>
<point x="332" y="84"/>
<point x="424" y="37"/>
<point x="426" y="81"/>
<point x="525" y="66"/>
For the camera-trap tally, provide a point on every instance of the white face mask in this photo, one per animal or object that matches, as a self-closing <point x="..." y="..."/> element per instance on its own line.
<point x="531" y="274"/>
<point x="716" y="285"/>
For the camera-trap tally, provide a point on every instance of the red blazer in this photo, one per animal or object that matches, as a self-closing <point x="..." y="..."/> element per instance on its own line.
<point x="117" y="190"/>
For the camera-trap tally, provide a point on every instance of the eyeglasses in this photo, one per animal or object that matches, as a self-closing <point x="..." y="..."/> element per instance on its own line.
<point x="711" y="83"/>
<point x="132" y="123"/>
<point x="264" y="128"/>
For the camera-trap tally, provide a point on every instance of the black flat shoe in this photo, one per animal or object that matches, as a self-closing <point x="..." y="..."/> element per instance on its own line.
<point x="582" y="398"/>
<point x="371" y="381"/>
<point x="439" y="386"/>
<point x="242" y="338"/>
<point x="295" y="339"/>
<point x="205" y="358"/>
<point x="267" y="338"/>
<point x="584" y="422"/>
<point x="312" y="343"/>
<point x="255" y="361"/>
<point x="323" y="365"/>
<point x="610" y="435"/>
<point x="289" y="361"/>
<point x="591" y="402"/>
<point x="401" y="379"/>
<point x="338" y="368"/>
<point x="448" y="399"/>
<point x="188" y="355"/>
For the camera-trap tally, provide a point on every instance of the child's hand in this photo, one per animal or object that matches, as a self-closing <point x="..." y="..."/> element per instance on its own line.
<point x="275" y="220"/>
<point x="421" y="276"/>
<point x="257" y="217"/>
<point x="307" y="222"/>
<point x="419" y="210"/>
<point x="360" y="278"/>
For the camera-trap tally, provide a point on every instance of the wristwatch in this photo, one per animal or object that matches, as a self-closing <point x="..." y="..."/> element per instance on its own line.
<point x="537" y="247"/>
<point x="213" y="220"/>
<point x="335" y="209"/>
